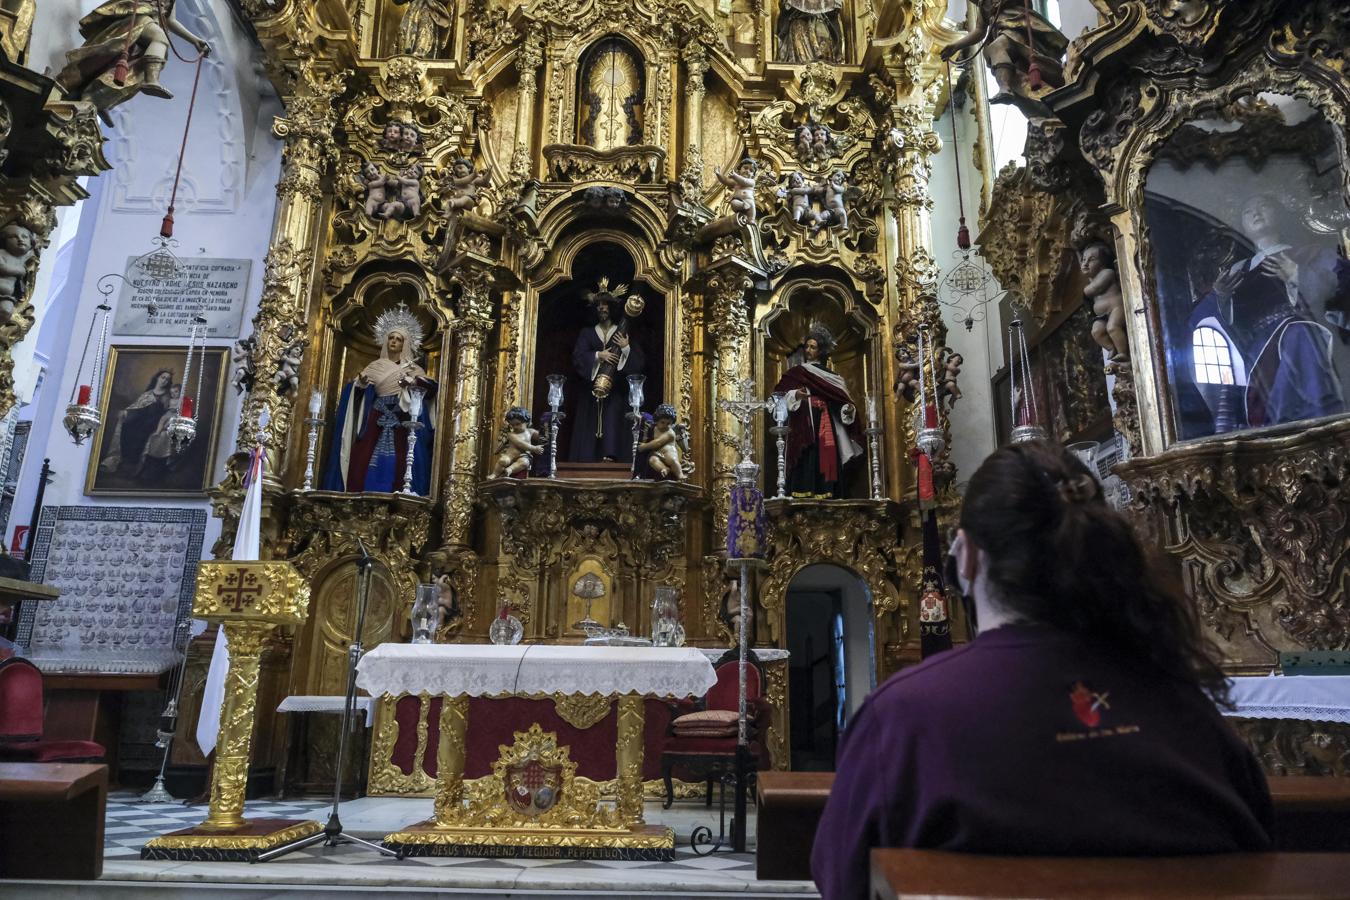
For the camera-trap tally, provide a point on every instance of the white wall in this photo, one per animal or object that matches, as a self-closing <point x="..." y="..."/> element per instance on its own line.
<point x="225" y="208"/>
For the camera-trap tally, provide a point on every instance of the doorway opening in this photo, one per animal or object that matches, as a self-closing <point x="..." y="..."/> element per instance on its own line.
<point x="833" y="660"/>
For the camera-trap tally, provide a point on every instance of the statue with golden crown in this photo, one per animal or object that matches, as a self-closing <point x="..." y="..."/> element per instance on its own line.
<point x="389" y="404"/>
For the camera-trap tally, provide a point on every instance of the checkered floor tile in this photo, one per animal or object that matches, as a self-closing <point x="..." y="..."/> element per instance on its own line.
<point x="130" y="824"/>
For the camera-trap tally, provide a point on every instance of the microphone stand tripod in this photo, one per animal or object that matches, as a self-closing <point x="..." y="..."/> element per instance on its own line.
<point x="333" y="834"/>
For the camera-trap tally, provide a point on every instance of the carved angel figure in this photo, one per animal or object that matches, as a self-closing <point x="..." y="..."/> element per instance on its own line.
<point x="949" y="390"/>
<point x="832" y="190"/>
<point x="287" y="376"/>
<point x="798" y="194"/>
<point x="742" y="185"/>
<point x="16" y="249"/>
<point x="423" y="29"/>
<point x="1102" y="295"/>
<point x="1024" y="51"/>
<point x="518" y="445"/>
<point x="99" y="71"/>
<point x="406" y="202"/>
<point x="243" y="363"/>
<point x="664" y="444"/>
<point x="461" y="186"/>
<point x="377" y="190"/>
<point x="907" y="379"/>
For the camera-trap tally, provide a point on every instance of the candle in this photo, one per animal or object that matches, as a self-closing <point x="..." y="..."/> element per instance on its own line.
<point x="186" y="408"/>
<point x="871" y="409"/>
<point x="867" y="381"/>
<point x="930" y="419"/>
<point x="315" y="404"/>
<point x="415" y="403"/>
<point x="85" y="391"/>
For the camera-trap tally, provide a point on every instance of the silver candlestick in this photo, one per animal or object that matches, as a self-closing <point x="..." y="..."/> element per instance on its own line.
<point x="168" y="719"/>
<point x="555" y="401"/>
<point x="314" y="424"/>
<point x="412" y="425"/>
<point x="873" y="433"/>
<point x="777" y="407"/>
<point x="635" y="415"/>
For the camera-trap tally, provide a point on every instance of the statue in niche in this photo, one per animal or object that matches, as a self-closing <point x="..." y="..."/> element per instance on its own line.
<point x="17" y="245"/>
<point x="1102" y="295"/>
<point x="1283" y="308"/>
<point x="824" y="435"/>
<point x="424" y="27"/>
<point x="665" y="442"/>
<point x="518" y="445"/>
<point x="604" y="356"/>
<point x="1023" y="50"/>
<point x="125" y="48"/>
<point x="742" y="185"/>
<point x="810" y="31"/>
<point x="611" y="97"/>
<point x="371" y="431"/>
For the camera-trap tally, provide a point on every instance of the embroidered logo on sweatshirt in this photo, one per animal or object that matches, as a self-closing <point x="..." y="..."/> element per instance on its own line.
<point x="1087" y="704"/>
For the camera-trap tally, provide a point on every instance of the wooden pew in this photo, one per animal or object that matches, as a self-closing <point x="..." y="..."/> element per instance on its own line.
<point x="51" y="820"/>
<point x="1311" y="814"/>
<point x="934" y="873"/>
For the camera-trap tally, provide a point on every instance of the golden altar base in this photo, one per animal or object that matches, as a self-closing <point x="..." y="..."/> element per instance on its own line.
<point x="572" y="823"/>
<point x="248" y="599"/>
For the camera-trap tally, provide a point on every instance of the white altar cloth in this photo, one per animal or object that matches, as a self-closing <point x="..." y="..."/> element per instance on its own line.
<point x="1319" y="698"/>
<point x="326" y="703"/>
<point x="485" y="670"/>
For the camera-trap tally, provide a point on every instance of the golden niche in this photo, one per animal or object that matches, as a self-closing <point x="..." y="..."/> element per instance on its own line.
<point x="612" y="83"/>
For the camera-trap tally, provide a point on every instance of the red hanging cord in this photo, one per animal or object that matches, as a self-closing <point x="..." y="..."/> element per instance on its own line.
<point x="962" y="232"/>
<point x="166" y="226"/>
<point x="1034" y="80"/>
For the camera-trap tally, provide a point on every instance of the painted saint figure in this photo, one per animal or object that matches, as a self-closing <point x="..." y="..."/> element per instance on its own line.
<point x="603" y="357"/>
<point x="810" y="31"/>
<point x="1284" y="309"/>
<point x="138" y="422"/>
<point x="824" y="435"/>
<point x="370" y="433"/>
<point x="424" y="26"/>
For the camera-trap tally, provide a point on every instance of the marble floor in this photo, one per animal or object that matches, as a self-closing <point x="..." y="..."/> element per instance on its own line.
<point x="324" y="872"/>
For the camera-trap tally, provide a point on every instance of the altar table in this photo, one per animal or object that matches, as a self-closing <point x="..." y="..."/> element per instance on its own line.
<point x="533" y="804"/>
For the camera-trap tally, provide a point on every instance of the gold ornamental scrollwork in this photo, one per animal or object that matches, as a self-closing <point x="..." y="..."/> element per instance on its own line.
<point x="581" y="710"/>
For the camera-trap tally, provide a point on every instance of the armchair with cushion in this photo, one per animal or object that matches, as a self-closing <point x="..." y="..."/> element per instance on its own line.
<point x="701" y="742"/>
<point x="21" y="720"/>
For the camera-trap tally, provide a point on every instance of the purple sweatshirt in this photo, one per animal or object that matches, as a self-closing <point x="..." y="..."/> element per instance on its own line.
<point x="1027" y="741"/>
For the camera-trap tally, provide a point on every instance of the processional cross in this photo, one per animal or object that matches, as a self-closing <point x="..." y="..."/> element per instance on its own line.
<point x="744" y="411"/>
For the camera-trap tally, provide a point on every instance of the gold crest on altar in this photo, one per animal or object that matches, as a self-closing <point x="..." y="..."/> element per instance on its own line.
<point x="533" y="786"/>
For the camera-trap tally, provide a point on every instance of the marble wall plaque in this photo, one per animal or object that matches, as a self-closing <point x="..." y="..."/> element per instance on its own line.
<point x="126" y="576"/>
<point x="217" y="288"/>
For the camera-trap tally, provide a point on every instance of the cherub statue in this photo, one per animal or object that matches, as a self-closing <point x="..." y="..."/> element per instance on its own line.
<point x="1102" y="295"/>
<point x="1024" y="51"/>
<point x="377" y="190"/>
<point x="802" y="143"/>
<point x="409" y="137"/>
<point x="822" y="142"/>
<point x="407" y="203"/>
<point x="392" y="139"/>
<point x="16" y="249"/>
<point x="243" y="363"/>
<point x="665" y="443"/>
<point x="907" y="379"/>
<point x="948" y="388"/>
<point x="832" y="189"/>
<point x="518" y="445"/>
<point x="798" y="193"/>
<point x="742" y="184"/>
<point x="126" y="43"/>
<point x="287" y="376"/>
<point x="461" y="186"/>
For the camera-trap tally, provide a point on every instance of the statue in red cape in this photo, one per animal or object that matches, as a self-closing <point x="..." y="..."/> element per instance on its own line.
<point x="824" y="435"/>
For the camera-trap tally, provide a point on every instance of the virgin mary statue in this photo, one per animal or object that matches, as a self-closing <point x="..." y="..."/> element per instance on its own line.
<point x="370" y="434"/>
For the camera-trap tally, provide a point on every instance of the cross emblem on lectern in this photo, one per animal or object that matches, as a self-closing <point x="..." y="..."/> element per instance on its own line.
<point x="240" y="589"/>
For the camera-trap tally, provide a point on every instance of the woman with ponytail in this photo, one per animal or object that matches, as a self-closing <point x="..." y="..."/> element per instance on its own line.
<point x="1079" y="721"/>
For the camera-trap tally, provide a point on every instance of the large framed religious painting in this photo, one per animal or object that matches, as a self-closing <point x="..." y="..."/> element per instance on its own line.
<point x="142" y="391"/>
<point x="1248" y="227"/>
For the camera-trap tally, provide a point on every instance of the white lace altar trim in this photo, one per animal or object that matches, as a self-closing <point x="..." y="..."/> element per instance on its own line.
<point x="1317" y="698"/>
<point x="324" y="703"/>
<point x="485" y="670"/>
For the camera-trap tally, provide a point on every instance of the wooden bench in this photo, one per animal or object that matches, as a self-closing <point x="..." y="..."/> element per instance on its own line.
<point x="51" y="820"/>
<point x="790" y="805"/>
<point x="1311" y="814"/>
<point x="934" y="873"/>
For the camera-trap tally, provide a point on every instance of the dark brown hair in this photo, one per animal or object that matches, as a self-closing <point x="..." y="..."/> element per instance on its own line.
<point x="1059" y="555"/>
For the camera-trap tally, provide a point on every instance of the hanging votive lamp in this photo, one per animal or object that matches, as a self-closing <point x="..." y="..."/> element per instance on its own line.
<point x="928" y="437"/>
<point x="182" y="428"/>
<point x="82" y="416"/>
<point x="1026" y="418"/>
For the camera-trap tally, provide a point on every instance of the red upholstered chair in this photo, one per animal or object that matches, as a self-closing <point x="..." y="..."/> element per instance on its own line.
<point x="701" y="741"/>
<point x="21" y="720"/>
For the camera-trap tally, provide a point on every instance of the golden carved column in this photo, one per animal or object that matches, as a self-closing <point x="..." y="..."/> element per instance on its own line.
<point x="528" y="60"/>
<point x="307" y="128"/>
<point x="729" y="326"/>
<point x="466" y="410"/>
<point x="450" y="756"/>
<point x="628" y="758"/>
<point x="248" y="600"/>
<point x="696" y="67"/>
